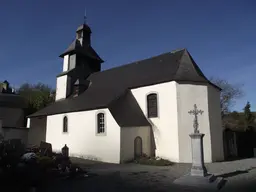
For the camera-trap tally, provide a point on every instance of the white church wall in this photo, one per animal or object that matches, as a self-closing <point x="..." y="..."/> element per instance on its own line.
<point x="65" y="63"/>
<point x="61" y="87"/>
<point x="128" y="135"/>
<point x="165" y="126"/>
<point x="37" y="131"/>
<point x="215" y="124"/>
<point x="82" y="139"/>
<point x="188" y="95"/>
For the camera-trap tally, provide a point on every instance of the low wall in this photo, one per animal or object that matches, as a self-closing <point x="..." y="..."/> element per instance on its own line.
<point x="15" y="133"/>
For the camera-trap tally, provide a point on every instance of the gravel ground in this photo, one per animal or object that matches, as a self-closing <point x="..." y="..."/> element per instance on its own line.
<point x="239" y="175"/>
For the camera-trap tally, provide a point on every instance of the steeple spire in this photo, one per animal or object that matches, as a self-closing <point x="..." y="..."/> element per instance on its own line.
<point x="85" y="16"/>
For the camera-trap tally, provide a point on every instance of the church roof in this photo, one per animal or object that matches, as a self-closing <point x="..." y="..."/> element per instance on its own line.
<point x="110" y="87"/>
<point x="75" y="47"/>
<point x="127" y="111"/>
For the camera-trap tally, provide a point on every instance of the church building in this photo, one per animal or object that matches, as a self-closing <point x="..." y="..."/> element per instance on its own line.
<point x="139" y="108"/>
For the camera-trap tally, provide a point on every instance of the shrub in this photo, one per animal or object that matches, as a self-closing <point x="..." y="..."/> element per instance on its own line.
<point x="45" y="162"/>
<point x="145" y="160"/>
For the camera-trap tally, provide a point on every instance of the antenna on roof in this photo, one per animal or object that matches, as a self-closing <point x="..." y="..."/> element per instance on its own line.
<point x="85" y="16"/>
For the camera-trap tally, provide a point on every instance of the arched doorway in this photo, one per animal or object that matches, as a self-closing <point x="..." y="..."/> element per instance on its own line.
<point x="137" y="147"/>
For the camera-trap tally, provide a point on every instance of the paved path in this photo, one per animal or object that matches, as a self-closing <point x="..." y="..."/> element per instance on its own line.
<point x="240" y="176"/>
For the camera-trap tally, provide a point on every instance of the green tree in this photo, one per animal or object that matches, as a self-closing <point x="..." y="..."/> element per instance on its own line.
<point x="229" y="94"/>
<point x="235" y="115"/>
<point x="38" y="96"/>
<point x="248" y="116"/>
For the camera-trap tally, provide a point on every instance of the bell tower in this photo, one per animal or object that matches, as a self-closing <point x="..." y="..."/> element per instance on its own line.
<point x="83" y="34"/>
<point x="79" y="61"/>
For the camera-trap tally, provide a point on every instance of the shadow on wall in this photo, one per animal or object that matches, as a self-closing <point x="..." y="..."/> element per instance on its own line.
<point x="154" y="132"/>
<point x="37" y="131"/>
<point x="216" y="130"/>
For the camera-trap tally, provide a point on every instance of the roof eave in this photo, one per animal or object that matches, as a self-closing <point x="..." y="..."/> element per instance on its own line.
<point x="76" y="51"/>
<point x="67" y="111"/>
<point x="215" y="86"/>
<point x="67" y="52"/>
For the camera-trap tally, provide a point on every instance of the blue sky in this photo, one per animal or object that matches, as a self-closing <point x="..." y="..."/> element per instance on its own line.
<point x="220" y="35"/>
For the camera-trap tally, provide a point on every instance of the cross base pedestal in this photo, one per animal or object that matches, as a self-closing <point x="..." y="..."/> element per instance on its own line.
<point x="198" y="177"/>
<point x="198" y="171"/>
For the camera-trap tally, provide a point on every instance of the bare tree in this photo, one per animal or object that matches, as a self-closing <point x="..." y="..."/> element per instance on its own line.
<point x="229" y="94"/>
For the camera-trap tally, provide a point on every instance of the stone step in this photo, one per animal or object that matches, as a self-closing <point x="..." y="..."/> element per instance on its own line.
<point x="220" y="182"/>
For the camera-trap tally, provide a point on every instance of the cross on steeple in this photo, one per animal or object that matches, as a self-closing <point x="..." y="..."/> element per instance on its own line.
<point x="195" y="112"/>
<point x="85" y="16"/>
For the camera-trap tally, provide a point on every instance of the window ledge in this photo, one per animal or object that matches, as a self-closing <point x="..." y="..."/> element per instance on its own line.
<point x="153" y="117"/>
<point x="101" y="134"/>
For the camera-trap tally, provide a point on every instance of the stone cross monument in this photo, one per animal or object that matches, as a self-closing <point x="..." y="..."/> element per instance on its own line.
<point x="198" y="167"/>
<point x="198" y="176"/>
<point x="195" y="112"/>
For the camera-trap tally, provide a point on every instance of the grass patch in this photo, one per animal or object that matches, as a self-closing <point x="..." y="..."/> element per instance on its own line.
<point x="155" y="161"/>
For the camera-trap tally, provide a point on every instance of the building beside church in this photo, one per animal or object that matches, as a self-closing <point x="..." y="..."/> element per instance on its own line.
<point x="12" y="105"/>
<point x="123" y="112"/>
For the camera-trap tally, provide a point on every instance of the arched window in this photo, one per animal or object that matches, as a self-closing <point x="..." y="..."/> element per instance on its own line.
<point x="152" y="105"/>
<point x="100" y="123"/>
<point x="65" y="124"/>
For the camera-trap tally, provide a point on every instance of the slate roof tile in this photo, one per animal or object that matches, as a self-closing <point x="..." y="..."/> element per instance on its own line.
<point x="108" y="86"/>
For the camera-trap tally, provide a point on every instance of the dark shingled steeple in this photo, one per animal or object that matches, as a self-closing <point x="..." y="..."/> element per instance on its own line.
<point x="82" y="44"/>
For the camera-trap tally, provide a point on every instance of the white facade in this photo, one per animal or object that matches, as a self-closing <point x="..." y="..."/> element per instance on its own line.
<point x="61" y="87"/>
<point x="65" y="63"/>
<point x="168" y="136"/>
<point x="82" y="138"/>
<point x="164" y="132"/>
<point x="173" y="125"/>
<point x="165" y="126"/>
<point x="115" y="145"/>
<point x="209" y="121"/>
<point x="128" y="136"/>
